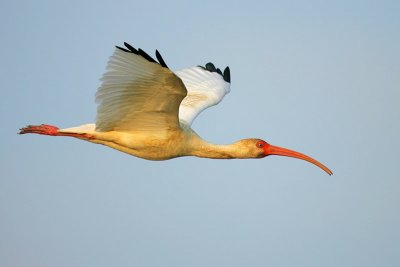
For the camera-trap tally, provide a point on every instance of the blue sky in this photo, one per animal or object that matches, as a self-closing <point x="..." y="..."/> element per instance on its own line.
<point x="315" y="76"/>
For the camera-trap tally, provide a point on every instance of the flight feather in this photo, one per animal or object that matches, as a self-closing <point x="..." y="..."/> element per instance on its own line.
<point x="205" y="88"/>
<point x="137" y="94"/>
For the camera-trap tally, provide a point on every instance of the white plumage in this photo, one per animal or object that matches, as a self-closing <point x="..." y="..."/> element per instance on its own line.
<point x="204" y="89"/>
<point x="146" y="110"/>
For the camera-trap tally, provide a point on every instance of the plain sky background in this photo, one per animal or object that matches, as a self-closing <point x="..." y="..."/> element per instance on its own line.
<point x="320" y="77"/>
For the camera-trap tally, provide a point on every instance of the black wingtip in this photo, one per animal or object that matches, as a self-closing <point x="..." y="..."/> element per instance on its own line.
<point x="123" y="49"/>
<point x="146" y="56"/>
<point x="227" y="75"/>
<point x="140" y="52"/>
<point x="161" y="60"/>
<point x="211" y="67"/>
<point x="131" y="48"/>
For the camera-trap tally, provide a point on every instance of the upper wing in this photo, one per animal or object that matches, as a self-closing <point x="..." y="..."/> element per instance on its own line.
<point x="138" y="94"/>
<point x="206" y="86"/>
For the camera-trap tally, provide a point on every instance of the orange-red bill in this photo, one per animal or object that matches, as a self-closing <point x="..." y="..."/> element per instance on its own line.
<point x="280" y="151"/>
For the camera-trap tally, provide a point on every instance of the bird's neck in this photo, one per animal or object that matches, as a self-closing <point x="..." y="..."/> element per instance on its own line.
<point x="204" y="149"/>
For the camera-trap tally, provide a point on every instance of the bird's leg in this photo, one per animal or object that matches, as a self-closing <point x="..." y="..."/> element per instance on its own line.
<point x="40" y="129"/>
<point x="46" y="129"/>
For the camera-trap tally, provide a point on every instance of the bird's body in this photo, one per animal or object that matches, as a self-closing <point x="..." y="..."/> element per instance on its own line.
<point x="151" y="146"/>
<point x="146" y="110"/>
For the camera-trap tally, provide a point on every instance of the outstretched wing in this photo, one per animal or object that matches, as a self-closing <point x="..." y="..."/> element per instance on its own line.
<point x="206" y="86"/>
<point x="138" y="93"/>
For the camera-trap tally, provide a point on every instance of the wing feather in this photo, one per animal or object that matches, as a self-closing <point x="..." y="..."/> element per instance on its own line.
<point x="206" y="87"/>
<point x="138" y="94"/>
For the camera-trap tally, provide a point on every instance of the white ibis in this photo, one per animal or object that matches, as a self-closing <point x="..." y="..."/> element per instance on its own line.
<point x="146" y="110"/>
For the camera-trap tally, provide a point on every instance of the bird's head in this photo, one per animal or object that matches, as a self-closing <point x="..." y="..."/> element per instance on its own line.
<point x="257" y="148"/>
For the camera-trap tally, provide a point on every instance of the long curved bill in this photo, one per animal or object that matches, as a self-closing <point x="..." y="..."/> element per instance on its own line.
<point x="280" y="151"/>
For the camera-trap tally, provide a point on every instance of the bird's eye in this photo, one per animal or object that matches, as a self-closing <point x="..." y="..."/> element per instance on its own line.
<point x="260" y="144"/>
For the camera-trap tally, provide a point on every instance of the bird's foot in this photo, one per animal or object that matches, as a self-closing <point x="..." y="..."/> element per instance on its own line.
<point x="44" y="129"/>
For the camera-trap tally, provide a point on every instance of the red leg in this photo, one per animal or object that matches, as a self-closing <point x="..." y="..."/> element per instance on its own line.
<point x="46" y="129"/>
<point x="40" y="129"/>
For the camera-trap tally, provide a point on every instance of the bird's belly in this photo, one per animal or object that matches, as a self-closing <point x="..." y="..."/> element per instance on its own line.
<point x="148" y="147"/>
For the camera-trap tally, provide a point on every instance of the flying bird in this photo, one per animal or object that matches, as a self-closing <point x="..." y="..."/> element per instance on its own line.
<point x="146" y="110"/>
